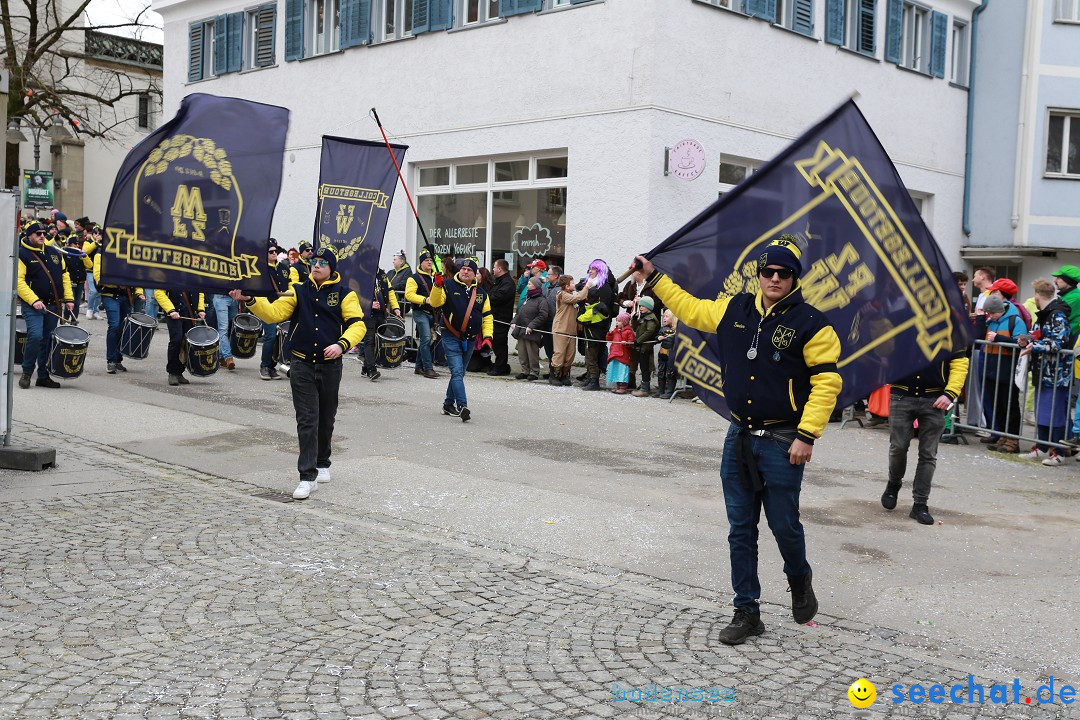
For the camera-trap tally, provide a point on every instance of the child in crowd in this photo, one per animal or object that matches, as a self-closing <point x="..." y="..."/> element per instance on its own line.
<point x="621" y="337"/>
<point x="565" y="328"/>
<point x="646" y="327"/>
<point x="665" y="364"/>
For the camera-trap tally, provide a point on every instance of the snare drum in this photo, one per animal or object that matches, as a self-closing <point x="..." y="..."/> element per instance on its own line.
<point x="20" y="340"/>
<point x="281" y="343"/>
<point x="201" y="351"/>
<point x="390" y="345"/>
<point x="438" y="353"/>
<point x="244" y="335"/>
<point x="136" y="335"/>
<point x="68" y="354"/>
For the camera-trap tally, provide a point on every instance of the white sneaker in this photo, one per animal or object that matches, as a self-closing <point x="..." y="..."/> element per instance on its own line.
<point x="1054" y="459"/>
<point x="1035" y="454"/>
<point x="324" y="475"/>
<point x="304" y="489"/>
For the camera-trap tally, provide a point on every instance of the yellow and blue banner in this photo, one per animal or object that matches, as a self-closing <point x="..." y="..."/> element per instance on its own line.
<point x="869" y="261"/>
<point x="192" y="204"/>
<point x="357" y="180"/>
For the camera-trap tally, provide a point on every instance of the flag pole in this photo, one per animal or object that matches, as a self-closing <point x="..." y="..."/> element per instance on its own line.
<point x="393" y="158"/>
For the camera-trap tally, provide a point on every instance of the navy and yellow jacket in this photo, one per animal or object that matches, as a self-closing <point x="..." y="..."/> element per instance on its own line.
<point x="36" y="282"/>
<point x="76" y="269"/>
<point x="384" y="294"/>
<point x="453" y="298"/>
<point x="418" y="288"/>
<point x="110" y="290"/>
<point x="180" y="301"/>
<point x="945" y="378"/>
<point x="321" y="315"/>
<point x="299" y="272"/>
<point x="279" y="278"/>
<point x="792" y="382"/>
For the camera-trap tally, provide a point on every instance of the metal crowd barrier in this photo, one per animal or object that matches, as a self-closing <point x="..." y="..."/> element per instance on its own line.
<point x="995" y="401"/>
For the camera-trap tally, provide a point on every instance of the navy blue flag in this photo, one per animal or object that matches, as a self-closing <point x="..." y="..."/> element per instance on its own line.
<point x="357" y="180"/>
<point x="192" y="204"/>
<point x="869" y="262"/>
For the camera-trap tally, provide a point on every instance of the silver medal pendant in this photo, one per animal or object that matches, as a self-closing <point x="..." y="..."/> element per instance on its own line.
<point x="751" y="353"/>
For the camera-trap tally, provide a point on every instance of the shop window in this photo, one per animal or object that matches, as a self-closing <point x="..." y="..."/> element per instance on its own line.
<point x="547" y="168"/>
<point x="472" y="174"/>
<point x="512" y="171"/>
<point x="456" y="223"/>
<point x="435" y="176"/>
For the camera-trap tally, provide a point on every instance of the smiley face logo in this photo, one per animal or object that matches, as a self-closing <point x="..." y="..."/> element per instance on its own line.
<point x="862" y="693"/>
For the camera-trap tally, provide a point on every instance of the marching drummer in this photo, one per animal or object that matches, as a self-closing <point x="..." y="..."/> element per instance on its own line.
<point x="181" y="310"/>
<point x="301" y="269"/>
<point x="279" y="276"/>
<point x="327" y="321"/>
<point x="73" y="257"/>
<point x="43" y="285"/>
<point x="119" y="301"/>
<point x="383" y="298"/>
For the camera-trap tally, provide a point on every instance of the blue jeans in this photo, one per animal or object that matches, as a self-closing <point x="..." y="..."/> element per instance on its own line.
<point x="780" y="498"/>
<point x="117" y="308"/>
<point x="77" y="292"/>
<point x="93" y="300"/>
<point x="224" y="311"/>
<point x="149" y="306"/>
<point x="39" y="330"/>
<point x="458" y="354"/>
<point x="423" y="330"/>
<point x="269" y="337"/>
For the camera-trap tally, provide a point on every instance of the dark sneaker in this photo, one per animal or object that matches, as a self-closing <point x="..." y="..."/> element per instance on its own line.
<point x="183" y="380"/>
<point x="24" y="381"/>
<point x="803" y="601"/>
<point x="451" y="410"/>
<point x="110" y="368"/>
<point x="592" y="385"/>
<point x="264" y="373"/>
<point x="273" y="373"/>
<point x="521" y="376"/>
<point x="431" y="374"/>
<point x="465" y="414"/>
<point x="47" y="382"/>
<point x="531" y="378"/>
<point x="920" y="512"/>
<point x="174" y="380"/>
<point x="888" y="498"/>
<point x="374" y="374"/>
<point x="120" y="367"/>
<point x="742" y="626"/>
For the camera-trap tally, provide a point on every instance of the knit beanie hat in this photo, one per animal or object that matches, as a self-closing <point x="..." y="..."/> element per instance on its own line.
<point x="623" y="318"/>
<point x="646" y="302"/>
<point x="783" y="251"/>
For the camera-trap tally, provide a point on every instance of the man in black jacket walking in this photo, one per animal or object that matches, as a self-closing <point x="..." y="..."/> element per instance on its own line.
<point x="502" y="294"/>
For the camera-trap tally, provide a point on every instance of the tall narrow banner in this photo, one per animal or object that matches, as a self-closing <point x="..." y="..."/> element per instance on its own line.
<point x="192" y="204"/>
<point x="357" y="180"/>
<point x="869" y="262"/>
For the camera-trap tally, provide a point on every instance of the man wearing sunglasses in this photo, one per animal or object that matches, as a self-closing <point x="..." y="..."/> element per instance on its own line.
<point x="43" y="284"/>
<point x="326" y="322"/>
<point x="779" y="358"/>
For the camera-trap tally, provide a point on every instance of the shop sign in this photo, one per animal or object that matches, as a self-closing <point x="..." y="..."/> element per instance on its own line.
<point x="532" y="241"/>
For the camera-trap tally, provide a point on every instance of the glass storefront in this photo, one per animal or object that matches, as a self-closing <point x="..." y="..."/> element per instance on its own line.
<point x="511" y="208"/>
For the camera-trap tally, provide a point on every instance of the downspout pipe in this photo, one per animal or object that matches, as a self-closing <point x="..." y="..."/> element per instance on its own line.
<point x="971" y="115"/>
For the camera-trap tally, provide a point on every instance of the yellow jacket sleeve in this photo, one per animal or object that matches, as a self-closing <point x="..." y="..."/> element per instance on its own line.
<point x="958" y="370"/>
<point x="27" y="295"/>
<point x="820" y="355"/>
<point x="436" y="299"/>
<point x="352" y="316"/>
<point x="393" y="300"/>
<point x="97" y="269"/>
<point x="489" y="319"/>
<point x="88" y="247"/>
<point x="69" y="296"/>
<point x="294" y="276"/>
<point x="273" y="312"/>
<point x="411" y="294"/>
<point x="704" y="315"/>
<point x="163" y="301"/>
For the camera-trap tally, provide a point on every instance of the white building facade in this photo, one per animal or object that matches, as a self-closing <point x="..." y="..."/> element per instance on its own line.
<point x="542" y="127"/>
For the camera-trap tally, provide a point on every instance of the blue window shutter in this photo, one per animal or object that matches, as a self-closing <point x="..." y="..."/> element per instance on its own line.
<point x="441" y="14"/>
<point x="894" y="30"/>
<point x="221" y="53"/>
<point x="234" y="42"/>
<point x="532" y="5"/>
<point x="294" y="29"/>
<point x="764" y="9"/>
<point x="507" y="8"/>
<point x="195" y="52"/>
<point x="420" y="22"/>
<point x="355" y="22"/>
<point x="834" y="22"/>
<point x="578" y="2"/>
<point x="938" y="37"/>
<point x="866" y="33"/>
<point x="520" y="7"/>
<point x="265" y="36"/>
<point x="802" y="17"/>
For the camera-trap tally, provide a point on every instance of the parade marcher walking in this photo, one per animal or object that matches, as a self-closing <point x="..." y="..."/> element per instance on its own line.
<point x="301" y="269"/>
<point x="418" y="291"/>
<point x="779" y="355"/>
<point x="466" y="314"/>
<point x="327" y="321"/>
<point x="398" y="277"/>
<point x="279" y="278"/>
<point x="44" y="289"/>
<point x="76" y="269"/>
<point x="181" y="309"/>
<point x="383" y="300"/>
<point x="119" y="301"/>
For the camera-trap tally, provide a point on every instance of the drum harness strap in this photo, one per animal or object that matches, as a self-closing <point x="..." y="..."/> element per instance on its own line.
<point x="56" y="293"/>
<point x="464" y="322"/>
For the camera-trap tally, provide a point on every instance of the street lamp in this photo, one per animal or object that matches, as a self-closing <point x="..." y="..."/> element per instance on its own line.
<point x="56" y="130"/>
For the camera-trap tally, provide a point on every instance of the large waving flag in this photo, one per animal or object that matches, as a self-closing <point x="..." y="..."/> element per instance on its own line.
<point x="192" y="204"/>
<point x="870" y="263"/>
<point x="357" y="180"/>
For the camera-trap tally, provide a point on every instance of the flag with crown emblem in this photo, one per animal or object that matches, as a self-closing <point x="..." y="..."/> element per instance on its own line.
<point x="868" y="260"/>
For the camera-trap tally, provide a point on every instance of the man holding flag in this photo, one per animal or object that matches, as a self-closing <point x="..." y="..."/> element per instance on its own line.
<point x="779" y="355"/>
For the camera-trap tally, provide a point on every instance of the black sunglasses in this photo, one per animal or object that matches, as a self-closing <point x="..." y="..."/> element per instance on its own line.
<point x="784" y="273"/>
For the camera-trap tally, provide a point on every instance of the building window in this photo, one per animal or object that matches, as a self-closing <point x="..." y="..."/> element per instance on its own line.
<point x="473" y="12"/>
<point x="324" y="20"/>
<point x="915" y="40"/>
<point x="851" y="24"/>
<point x="396" y="19"/>
<point x="1063" y="144"/>
<point x="797" y="15"/>
<point x="1067" y="11"/>
<point x="259" y="39"/>
<point x="961" y="53"/>
<point x="201" y="50"/>
<point x="477" y="216"/>
<point x="733" y="171"/>
<point x="144" y="107"/>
